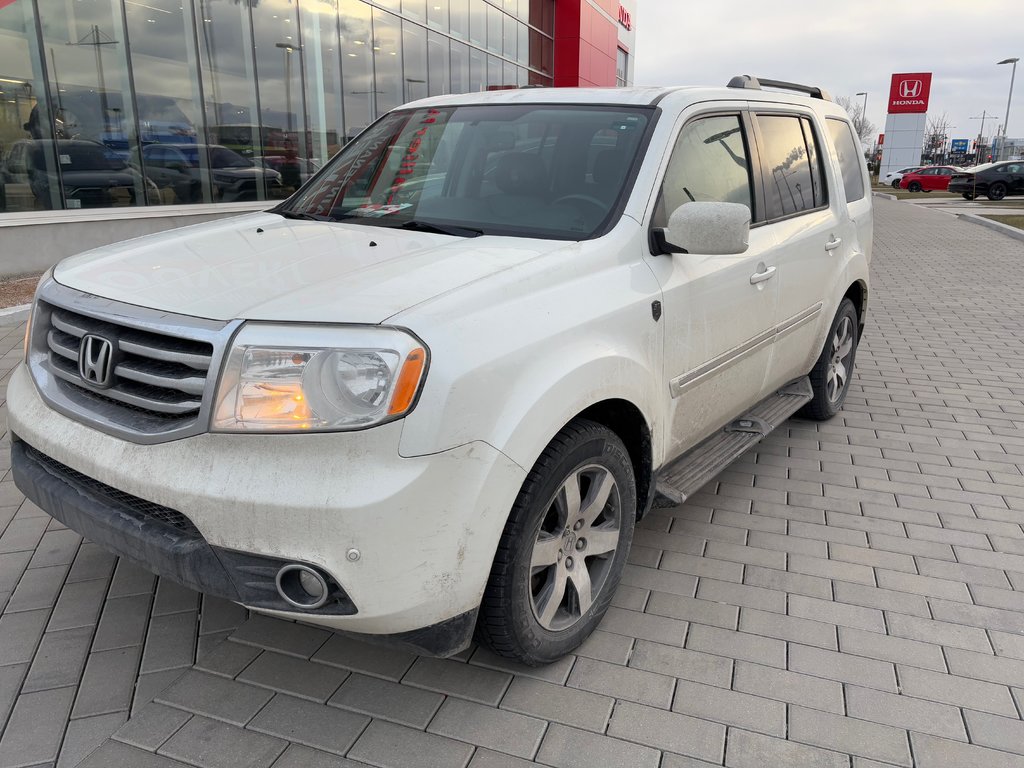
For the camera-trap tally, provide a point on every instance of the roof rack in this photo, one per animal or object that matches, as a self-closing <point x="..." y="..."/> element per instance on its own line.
<point x="748" y="81"/>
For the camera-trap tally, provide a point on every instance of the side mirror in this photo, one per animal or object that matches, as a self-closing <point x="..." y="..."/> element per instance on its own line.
<point x="707" y="228"/>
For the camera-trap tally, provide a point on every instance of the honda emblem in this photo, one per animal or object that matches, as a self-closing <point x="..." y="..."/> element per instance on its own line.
<point x="910" y="89"/>
<point x="96" y="361"/>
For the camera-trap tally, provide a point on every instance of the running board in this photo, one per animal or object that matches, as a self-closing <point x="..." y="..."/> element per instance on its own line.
<point x="687" y="474"/>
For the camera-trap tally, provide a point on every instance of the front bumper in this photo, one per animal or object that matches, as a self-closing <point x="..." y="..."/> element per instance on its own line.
<point x="425" y="528"/>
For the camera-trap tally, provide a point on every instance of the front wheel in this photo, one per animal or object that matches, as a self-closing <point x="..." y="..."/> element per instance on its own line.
<point x="563" y="549"/>
<point x="830" y="377"/>
<point x="997" y="191"/>
<point x="896" y="184"/>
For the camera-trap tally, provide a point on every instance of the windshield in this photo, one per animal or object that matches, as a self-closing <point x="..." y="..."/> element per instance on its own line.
<point x="533" y="171"/>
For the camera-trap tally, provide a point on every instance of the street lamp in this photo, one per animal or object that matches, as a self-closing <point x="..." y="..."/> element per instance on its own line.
<point x="864" y="109"/>
<point x="288" y="48"/>
<point x="1009" y="98"/>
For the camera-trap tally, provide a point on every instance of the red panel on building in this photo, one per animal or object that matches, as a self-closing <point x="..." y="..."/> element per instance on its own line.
<point x="908" y="92"/>
<point x="585" y="42"/>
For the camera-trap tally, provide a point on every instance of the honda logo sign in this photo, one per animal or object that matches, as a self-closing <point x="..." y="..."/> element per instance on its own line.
<point x="909" y="92"/>
<point x="96" y="361"/>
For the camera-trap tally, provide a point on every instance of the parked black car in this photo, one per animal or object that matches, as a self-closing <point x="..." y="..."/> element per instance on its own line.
<point x="994" y="180"/>
<point x="234" y="177"/>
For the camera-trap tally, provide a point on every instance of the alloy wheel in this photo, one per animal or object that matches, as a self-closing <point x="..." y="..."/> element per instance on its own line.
<point x="839" y="361"/>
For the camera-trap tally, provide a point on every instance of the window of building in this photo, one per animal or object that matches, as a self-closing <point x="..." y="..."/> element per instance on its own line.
<point x="789" y="166"/>
<point x="709" y="163"/>
<point x="850" y="159"/>
<point x="621" y="67"/>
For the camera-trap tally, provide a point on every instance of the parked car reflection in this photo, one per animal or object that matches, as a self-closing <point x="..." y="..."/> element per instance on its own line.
<point x="91" y="176"/>
<point x="178" y="166"/>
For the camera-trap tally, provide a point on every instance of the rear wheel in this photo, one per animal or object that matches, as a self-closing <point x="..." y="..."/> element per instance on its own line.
<point x="896" y="184"/>
<point x="997" y="191"/>
<point x="830" y="377"/>
<point x="914" y="186"/>
<point x="563" y="549"/>
<point x="968" y="195"/>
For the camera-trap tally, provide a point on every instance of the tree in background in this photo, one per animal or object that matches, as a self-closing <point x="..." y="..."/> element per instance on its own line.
<point x="865" y="128"/>
<point x="936" y="135"/>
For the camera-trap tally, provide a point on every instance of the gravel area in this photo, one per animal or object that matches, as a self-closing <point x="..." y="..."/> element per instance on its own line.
<point x="17" y="291"/>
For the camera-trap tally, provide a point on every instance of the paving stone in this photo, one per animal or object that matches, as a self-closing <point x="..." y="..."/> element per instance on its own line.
<point x="170" y="642"/>
<point x="11" y="677"/>
<point x="993" y="731"/>
<point x="578" y="708"/>
<point x="20" y="634"/>
<point x="113" y="754"/>
<point x="941" y="632"/>
<point x="298" y="677"/>
<point x="668" y="731"/>
<point x="738" y="645"/>
<point x="401" y="704"/>
<point x="883" y="599"/>
<point x="647" y="626"/>
<point x="91" y="562"/>
<point x="456" y="679"/>
<point x="216" y="697"/>
<point x="38" y="588"/>
<point x="923" y="585"/>
<point x="123" y="622"/>
<point x="149" y="686"/>
<point x="309" y="723"/>
<point x="85" y="735"/>
<point x="842" y="667"/>
<point x="933" y="752"/>
<point x="214" y="744"/>
<point x="845" y="734"/>
<point x="998" y="598"/>
<point x="36" y="726"/>
<point x="622" y="682"/>
<point x="565" y="747"/>
<point x="606" y="646"/>
<point x="108" y="682"/>
<point x="659" y="580"/>
<point x="977" y="616"/>
<point x="494" y="729"/>
<point x="959" y="691"/>
<point x="984" y="666"/>
<point x="722" y="570"/>
<point x="895" y="649"/>
<point x="872" y="557"/>
<point x="13" y="565"/>
<point x="556" y="672"/>
<point x="739" y="553"/>
<point x="217" y="615"/>
<point x="836" y="613"/>
<point x="682" y="663"/>
<point x="742" y="595"/>
<point x="298" y="756"/>
<point x="172" y="597"/>
<point x="59" y="660"/>
<point x="79" y="605"/>
<point x="152" y="726"/>
<point x="905" y="712"/>
<point x="792" y="687"/>
<point x="755" y="750"/>
<point x="22" y="535"/>
<point x="1004" y="644"/>
<point x="930" y="549"/>
<point x="227" y="659"/>
<point x="787" y="582"/>
<point x="284" y="636"/>
<point x="388" y="745"/>
<point x="56" y="548"/>
<point x="343" y="651"/>
<point x="730" y="707"/>
<point x="131" y="579"/>
<point x="788" y="628"/>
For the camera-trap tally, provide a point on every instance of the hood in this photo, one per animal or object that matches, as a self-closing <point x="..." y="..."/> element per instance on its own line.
<point x="264" y="267"/>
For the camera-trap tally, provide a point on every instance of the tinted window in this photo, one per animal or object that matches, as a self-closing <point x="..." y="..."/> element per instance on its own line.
<point x="848" y="153"/>
<point x="787" y="162"/>
<point x="709" y="163"/>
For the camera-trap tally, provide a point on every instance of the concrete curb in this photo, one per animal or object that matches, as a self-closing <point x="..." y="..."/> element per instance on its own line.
<point x="15" y="310"/>
<point x="1006" y="229"/>
<point x="884" y="196"/>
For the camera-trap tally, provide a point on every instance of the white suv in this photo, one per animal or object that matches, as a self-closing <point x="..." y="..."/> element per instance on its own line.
<point x="434" y="390"/>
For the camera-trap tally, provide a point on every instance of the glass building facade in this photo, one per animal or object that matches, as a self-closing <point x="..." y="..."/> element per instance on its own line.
<point x="107" y="103"/>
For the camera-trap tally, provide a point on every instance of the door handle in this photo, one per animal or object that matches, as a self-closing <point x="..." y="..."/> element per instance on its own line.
<point x="760" y="277"/>
<point x="834" y="243"/>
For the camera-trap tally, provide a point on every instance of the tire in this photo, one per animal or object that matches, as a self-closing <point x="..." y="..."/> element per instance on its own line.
<point x="531" y="609"/>
<point x="968" y="195"/>
<point x="997" y="191"/>
<point x="914" y="186"/>
<point x="896" y="184"/>
<point x="829" y="381"/>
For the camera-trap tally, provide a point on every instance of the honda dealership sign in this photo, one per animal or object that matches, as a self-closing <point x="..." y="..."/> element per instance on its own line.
<point x="905" y="124"/>
<point x="909" y="93"/>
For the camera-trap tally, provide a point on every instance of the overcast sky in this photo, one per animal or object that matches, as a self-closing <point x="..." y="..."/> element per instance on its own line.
<point x="845" y="47"/>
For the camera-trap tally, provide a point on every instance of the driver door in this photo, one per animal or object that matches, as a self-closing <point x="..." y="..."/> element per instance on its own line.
<point x="718" y="309"/>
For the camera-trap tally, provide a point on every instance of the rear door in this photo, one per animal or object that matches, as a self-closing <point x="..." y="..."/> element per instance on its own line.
<point x="812" y="235"/>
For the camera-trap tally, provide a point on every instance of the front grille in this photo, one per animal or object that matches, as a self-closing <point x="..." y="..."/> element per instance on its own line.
<point x="157" y="381"/>
<point x="140" y="509"/>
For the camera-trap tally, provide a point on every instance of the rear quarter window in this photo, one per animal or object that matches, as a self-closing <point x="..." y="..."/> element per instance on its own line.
<point x="849" y="156"/>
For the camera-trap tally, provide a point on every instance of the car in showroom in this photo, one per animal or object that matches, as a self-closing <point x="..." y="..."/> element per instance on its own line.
<point x="994" y="180"/>
<point x="234" y="178"/>
<point x="892" y="178"/>
<point x="929" y="179"/>
<point x="430" y="394"/>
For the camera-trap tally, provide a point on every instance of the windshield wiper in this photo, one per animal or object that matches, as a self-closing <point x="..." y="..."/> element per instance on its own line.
<point x="304" y="216"/>
<point x="441" y="229"/>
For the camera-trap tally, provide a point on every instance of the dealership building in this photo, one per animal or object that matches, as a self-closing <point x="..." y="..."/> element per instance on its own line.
<point x="123" y="117"/>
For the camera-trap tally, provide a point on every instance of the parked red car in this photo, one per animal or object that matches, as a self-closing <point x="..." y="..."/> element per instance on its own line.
<point x="930" y="178"/>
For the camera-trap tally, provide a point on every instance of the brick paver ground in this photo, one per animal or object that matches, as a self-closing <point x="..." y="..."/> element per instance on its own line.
<point x="846" y="594"/>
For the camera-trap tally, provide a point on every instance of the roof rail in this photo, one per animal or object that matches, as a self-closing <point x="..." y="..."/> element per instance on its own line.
<point x="748" y="81"/>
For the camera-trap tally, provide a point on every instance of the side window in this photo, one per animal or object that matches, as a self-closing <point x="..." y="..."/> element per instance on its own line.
<point x="788" y="161"/>
<point x="848" y="154"/>
<point x="709" y="163"/>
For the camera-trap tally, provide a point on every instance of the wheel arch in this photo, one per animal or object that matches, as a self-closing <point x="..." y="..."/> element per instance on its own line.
<point x="858" y="294"/>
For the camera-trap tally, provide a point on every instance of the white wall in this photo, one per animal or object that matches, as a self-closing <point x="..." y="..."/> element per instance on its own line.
<point x="904" y="138"/>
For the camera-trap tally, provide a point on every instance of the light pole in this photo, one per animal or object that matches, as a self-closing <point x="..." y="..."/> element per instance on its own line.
<point x="288" y="48"/>
<point x="1013" y="74"/>
<point x="981" y="136"/>
<point x="864" y="109"/>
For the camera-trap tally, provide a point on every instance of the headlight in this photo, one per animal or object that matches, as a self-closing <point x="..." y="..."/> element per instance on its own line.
<point x="304" y="378"/>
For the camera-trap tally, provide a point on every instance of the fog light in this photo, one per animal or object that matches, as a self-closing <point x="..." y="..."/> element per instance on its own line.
<point x="302" y="586"/>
